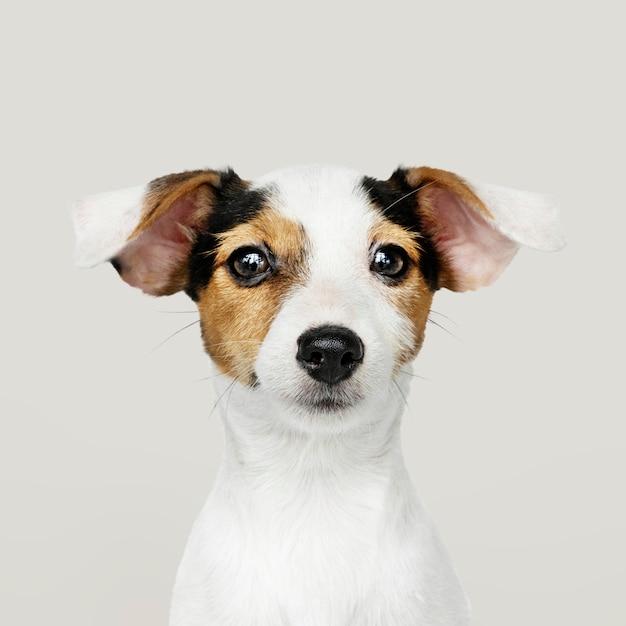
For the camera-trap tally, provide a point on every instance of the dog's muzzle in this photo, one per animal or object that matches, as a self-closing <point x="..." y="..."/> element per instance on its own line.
<point x="330" y="354"/>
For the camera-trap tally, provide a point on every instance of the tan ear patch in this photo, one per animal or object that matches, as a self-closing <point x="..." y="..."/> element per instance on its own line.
<point x="235" y="318"/>
<point x="429" y="179"/>
<point x="156" y="255"/>
<point x="164" y="191"/>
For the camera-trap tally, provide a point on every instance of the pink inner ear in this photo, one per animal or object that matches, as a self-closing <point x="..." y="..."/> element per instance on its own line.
<point x="153" y="260"/>
<point x="475" y="252"/>
<point x="176" y="223"/>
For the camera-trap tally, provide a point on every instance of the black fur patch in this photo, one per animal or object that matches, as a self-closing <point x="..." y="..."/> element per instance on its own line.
<point x="397" y="201"/>
<point x="235" y="203"/>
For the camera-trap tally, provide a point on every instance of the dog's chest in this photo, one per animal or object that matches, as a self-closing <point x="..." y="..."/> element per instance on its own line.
<point x="313" y="556"/>
<point x="312" y="532"/>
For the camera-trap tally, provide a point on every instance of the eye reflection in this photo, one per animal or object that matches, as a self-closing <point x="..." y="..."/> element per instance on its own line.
<point x="250" y="266"/>
<point x="389" y="261"/>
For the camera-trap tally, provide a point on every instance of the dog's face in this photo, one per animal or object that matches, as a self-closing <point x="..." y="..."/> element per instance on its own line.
<point x="315" y="283"/>
<point x="314" y="294"/>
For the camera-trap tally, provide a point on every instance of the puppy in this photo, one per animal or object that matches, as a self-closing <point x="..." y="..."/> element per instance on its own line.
<point x="314" y="286"/>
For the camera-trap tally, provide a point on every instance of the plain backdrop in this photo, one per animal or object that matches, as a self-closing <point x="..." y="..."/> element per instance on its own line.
<point x="515" y="433"/>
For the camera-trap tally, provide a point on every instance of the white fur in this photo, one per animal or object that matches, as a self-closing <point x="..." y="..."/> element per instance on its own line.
<point x="311" y="528"/>
<point x="313" y="520"/>
<point x="529" y="219"/>
<point x="104" y="223"/>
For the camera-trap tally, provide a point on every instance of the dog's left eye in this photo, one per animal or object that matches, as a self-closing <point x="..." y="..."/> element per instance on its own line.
<point x="250" y="266"/>
<point x="390" y="262"/>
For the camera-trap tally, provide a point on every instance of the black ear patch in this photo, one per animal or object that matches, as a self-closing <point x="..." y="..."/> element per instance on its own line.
<point x="397" y="200"/>
<point x="235" y="203"/>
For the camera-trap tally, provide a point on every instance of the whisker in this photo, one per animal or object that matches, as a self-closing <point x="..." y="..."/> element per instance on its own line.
<point x="449" y="319"/>
<point x="406" y="402"/>
<point x="406" y="195"/>
<point x="413" y="374"/>
<point x="180" y="330"/>
<point x="230" y="393"/>
<point x="434" y="323"/>
<point x="410" y="193"/>
<point x="234" y="342"/>
<point x="205" y="378"/>
<point x="229" y="388"/>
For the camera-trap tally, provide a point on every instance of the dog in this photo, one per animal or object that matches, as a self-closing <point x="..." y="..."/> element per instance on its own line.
<point x="313" y="286"/>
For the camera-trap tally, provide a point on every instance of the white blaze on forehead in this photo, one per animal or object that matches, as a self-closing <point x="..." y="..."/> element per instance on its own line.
<point x="334" y="210"/>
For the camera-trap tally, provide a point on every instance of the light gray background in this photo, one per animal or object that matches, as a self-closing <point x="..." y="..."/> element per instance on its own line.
<point x="516" y="436"/>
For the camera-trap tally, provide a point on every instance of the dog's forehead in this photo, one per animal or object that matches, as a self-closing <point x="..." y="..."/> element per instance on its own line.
<point x="329" y="202"/>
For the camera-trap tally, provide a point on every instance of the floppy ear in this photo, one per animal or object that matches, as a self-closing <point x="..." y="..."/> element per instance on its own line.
<point x="477" y="229"/>
<point x="146" y="232"/>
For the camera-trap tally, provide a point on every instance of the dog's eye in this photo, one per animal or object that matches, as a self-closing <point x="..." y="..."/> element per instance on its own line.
<point x="250" y="266"/>
<point x="390" y="262"/>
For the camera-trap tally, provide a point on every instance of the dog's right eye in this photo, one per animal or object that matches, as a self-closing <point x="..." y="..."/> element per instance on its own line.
<point x="250" y="266"/>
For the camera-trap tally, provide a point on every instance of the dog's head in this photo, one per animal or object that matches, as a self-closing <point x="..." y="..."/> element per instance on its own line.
<point x="312" y="283"/>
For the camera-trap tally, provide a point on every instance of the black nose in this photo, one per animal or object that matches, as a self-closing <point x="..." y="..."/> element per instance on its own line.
<point x="330" y="353"/>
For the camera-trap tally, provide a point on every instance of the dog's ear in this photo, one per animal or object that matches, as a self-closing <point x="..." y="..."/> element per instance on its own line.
<point x="477" y="229"/>
<point x="146" y="232"/>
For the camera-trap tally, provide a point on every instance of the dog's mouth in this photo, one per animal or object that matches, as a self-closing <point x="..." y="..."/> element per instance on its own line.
<point x="326" y="399"/>
<point x="316" y="398"/>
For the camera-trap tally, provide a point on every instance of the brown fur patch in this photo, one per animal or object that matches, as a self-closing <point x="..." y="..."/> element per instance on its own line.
<point x="411" y="297"/>
<point x="234" y="318"/>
